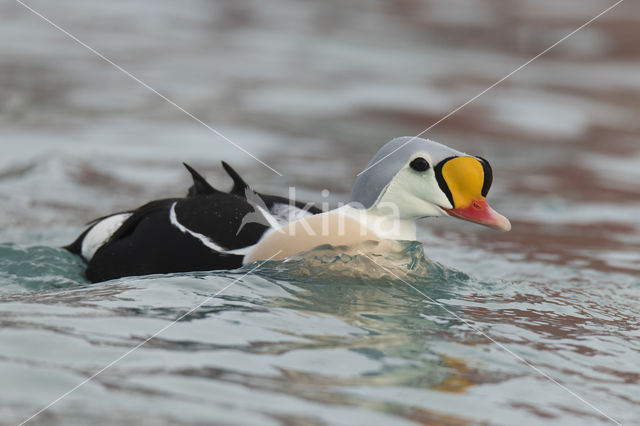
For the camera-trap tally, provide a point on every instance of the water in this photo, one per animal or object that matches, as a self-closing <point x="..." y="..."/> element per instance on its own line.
<point x="287" y="344"/>
<point x="314" y="88"/>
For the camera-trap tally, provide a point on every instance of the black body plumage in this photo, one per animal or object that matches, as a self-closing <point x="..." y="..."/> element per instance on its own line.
<point x="202" y="231"/>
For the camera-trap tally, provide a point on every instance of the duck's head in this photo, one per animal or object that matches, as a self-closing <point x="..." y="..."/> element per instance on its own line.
<point x="423" y="178"/>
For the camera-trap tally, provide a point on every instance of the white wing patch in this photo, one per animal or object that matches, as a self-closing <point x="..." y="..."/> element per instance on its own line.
<point x="203" y="238"/>
<point x="100" y="234"/>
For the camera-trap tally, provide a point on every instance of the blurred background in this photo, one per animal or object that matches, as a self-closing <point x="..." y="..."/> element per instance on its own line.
<point x="314" y="88"/>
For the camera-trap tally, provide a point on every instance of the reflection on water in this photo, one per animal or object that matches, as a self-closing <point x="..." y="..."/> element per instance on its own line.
<point x="314" y="88"/>
<point x="294" y="343"/>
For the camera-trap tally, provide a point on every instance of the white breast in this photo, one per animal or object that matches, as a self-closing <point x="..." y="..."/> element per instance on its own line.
<point x="345" y="226"/>
<point x="334" y="227"/>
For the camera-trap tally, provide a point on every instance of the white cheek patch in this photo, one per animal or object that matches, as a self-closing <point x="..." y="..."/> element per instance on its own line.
<point x="100" y="234"/>
<point x="415" y="195"/>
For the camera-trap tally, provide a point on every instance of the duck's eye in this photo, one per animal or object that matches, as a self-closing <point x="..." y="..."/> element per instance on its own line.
<point x="419" y="164"/>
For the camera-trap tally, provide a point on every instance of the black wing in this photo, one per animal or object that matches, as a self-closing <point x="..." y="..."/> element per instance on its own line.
<point x="196" y="238"/>
<point x="219" y="217"/>
<point x="140" y="214"/>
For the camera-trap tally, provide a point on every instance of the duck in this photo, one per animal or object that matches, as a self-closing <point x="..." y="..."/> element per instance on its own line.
<point x="409" y="178"/>
<point x="207" y="229"/>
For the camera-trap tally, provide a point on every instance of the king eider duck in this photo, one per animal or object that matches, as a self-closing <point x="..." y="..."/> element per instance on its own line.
<point x="409" y="178"/>
<point x="206" y="230"/>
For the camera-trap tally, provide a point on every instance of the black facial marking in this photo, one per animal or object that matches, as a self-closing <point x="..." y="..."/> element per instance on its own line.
<point x="419" y="165"/>
<point x="488" y="176"/>
<point x="441" y="182"/>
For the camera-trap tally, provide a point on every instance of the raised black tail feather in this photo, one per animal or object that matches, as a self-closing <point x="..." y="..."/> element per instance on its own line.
<point x="239" y="185"/>
<point x="200" y="185"/>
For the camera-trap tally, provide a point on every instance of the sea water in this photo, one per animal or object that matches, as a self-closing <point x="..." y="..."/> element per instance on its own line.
<point x="538" y="326"/>
<point x="325" y="338"/>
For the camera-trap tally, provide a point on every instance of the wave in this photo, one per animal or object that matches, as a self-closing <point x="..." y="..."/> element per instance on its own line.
<point x="371" y="262"/>
<point x="28" y="268"/>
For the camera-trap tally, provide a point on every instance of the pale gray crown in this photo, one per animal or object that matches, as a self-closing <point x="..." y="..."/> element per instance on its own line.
<point x="370" y="184"/>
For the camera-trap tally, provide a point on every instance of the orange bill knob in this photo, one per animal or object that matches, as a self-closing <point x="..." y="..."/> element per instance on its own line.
<point x="467" y="183"/>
